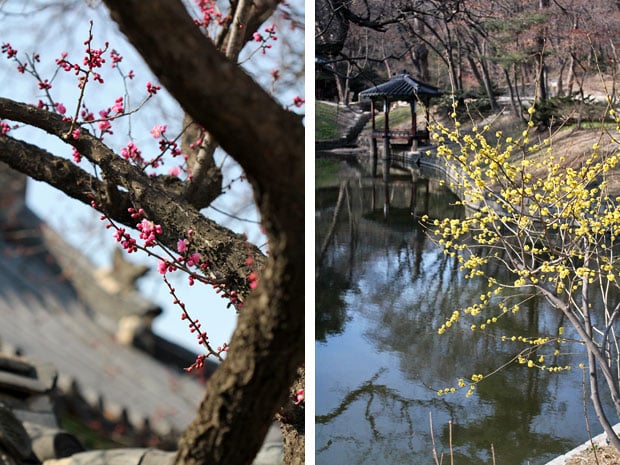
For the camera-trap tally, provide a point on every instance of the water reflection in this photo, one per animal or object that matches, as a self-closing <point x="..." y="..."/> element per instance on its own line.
<point x="383" y="289"/>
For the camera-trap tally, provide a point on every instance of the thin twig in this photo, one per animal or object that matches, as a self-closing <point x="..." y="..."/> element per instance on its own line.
<point x="430" y="420"/>
<point x="450" y="439"/>
<point x="585" y="416"/>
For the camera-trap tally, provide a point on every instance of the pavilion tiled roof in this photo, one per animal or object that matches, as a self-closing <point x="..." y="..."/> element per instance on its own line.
<point x="401" y="87"/>
<point x="44" y="317"/>
<point x="30" y="433"/>
<point x="57" y="309"/>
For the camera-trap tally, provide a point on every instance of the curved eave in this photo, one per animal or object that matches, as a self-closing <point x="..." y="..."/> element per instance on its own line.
<point x="401" y="87"/>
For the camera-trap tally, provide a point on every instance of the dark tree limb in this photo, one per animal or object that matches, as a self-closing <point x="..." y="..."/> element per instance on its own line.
<point x="58" y="172"/>
<point x="130" y="187"/>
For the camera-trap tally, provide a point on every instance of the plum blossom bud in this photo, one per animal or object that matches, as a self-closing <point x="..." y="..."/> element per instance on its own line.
<point x="182" y="245"/>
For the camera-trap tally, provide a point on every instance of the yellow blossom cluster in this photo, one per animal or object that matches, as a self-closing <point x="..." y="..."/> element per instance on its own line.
<point x="453" y="319"/>
<point x="551" y="223"/>
<point x="550" y="217"/>
<point x="463" y="383"/>
<point x="539" y="363"/>
<point x="537" y="341"/>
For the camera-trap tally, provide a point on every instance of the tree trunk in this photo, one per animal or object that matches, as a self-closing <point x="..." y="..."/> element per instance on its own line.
<point x="339" y="86"/>
<point x="515" y="100"/>
<point x="483" y="80"/>
<point x="570" y="79"/>
<point x="560" y="79"/>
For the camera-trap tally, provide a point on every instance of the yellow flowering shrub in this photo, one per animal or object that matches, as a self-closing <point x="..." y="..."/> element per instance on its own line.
<point x="550" y="224"/>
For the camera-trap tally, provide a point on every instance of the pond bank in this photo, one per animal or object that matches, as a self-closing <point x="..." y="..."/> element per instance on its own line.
<point x="597" y="441"/>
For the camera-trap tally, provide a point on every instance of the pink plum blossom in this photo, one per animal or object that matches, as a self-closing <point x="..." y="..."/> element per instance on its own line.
<point x="158" y="130"/>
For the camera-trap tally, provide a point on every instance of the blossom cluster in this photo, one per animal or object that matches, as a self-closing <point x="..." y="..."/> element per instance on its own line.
<point x="209" y="14"/>
<point x="551" y="224"/>
<point x="87" y="70"/>
<point x="269" y="34"/>
<point x="149" y="232"/>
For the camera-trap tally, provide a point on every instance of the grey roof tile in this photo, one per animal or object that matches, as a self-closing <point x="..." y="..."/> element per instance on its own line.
<point x="401" y="86"/>
<point x="43" y="317"/>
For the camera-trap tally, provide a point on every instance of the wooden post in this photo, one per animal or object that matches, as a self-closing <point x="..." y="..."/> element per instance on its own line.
<point x="386" y="141"/>
<point x="428" y="114"/>
<point x="414" y="126"/>
<point x="414" y="118"/>
<point x="374" y="157"/>
<point x="373" y="143"/>
<point x="372" y="112"/>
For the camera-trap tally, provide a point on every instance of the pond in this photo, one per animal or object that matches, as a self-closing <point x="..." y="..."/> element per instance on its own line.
<point x="382" y="291"/>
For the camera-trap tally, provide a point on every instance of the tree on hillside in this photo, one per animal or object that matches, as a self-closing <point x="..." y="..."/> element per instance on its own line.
<point x="224" y="106"/>
<point x="550" y="222"/>
<point x="476" y="47"/>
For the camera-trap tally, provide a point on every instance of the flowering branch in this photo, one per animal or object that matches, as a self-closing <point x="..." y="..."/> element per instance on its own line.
<point x="201" y="335"/>
<point x="147" y="192"/>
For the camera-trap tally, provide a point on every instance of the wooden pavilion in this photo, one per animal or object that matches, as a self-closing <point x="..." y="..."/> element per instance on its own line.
<point x="401" y="87"/>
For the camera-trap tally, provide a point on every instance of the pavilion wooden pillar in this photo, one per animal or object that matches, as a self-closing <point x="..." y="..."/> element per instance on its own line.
<point x="427" y="114"/>
<point x="386" y="158"/>
<point x="373" y="143"/>
<point x="414" y="118"/>
<point x="386" y="141"/>
<point x="414" y="125"/>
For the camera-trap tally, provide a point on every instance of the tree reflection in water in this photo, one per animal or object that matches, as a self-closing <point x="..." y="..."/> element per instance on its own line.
<point x="383" y="289"/>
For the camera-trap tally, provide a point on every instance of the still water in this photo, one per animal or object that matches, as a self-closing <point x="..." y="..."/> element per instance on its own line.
<point x="382" y="291"/>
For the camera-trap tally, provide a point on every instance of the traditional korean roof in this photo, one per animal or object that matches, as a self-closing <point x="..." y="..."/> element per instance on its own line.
<point x="401" y="87"/>
<point x="43" y="316"/>
<point x="31" y="434"/>
<point x="55" y="306"/>
<point x="89" y="332"/>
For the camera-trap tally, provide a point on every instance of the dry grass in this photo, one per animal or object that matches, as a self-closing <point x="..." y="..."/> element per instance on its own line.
<point x="606" y="455"/>
<point x="576" y="145"/>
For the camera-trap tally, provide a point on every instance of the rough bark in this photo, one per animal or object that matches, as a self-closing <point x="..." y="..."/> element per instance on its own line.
<point x="123" y="186"/>
<point x="292" y="419"/>
<point x="206" y="177"/>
